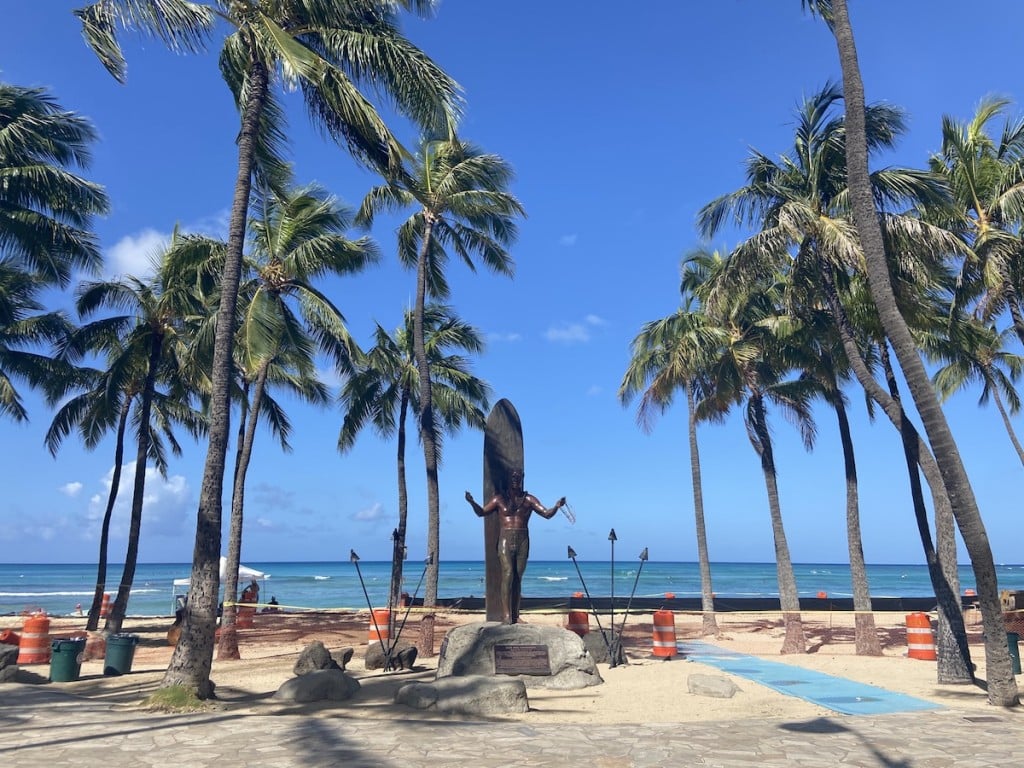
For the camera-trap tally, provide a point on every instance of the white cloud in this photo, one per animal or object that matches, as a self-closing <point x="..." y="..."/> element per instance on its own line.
<point x="594" y="390"/>
<point x="568" y="240"/>
<point x="166" y="504"/>
<point x="71" y="489"/>
<point x="568" y="333"/>
<point x="135" y="254"/>
<point x="575" y="332"/>
<point x="372" y="513"/>
<point x="264" y="522"/>
<point x="498" y="338"/>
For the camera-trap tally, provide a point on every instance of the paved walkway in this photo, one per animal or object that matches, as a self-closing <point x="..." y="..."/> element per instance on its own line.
<point x="836" y="693"/>
<point x="41" y="727"/>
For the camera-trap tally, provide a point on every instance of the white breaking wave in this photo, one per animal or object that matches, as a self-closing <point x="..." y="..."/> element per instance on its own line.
<point x="553" y="578"/>
<point x="321" y="578"/>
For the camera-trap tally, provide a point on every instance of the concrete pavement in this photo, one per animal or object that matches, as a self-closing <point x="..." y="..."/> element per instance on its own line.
<point x="45" y="727"/>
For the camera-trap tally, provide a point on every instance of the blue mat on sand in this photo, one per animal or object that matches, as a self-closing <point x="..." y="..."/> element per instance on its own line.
<point x="835" y="693"/>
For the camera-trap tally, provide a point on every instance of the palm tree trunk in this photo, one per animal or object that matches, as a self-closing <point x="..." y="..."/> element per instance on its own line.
<point x="865" y="635"/>
<point x="1002" y="686"/>
<point x="398" y="555"/>
<point x="228" y="647"/>
<point x="427" y="419"/>
<point x="954" y="656"/>
<point x="193" y="656"/>
<point x="120" y="606"/>
<point x="789" y="598"/>
<point x="709" y="625"/>
<point x="1013" y="302"/>
<point x="93" y="622"/>
<point x="1006" y="420"/>
<point x="953" y="664"/>
<point x="230" y="587"/>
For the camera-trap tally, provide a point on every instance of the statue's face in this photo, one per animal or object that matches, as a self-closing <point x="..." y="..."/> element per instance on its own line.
<point x="515" y="480"/>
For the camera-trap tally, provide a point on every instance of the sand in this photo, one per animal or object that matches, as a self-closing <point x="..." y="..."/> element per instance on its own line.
<point x="645" y="690"/>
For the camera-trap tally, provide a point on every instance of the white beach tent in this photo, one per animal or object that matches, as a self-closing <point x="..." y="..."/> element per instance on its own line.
<point x="245" y="575"/>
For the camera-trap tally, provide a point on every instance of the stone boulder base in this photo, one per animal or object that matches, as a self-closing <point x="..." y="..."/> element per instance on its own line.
<point x="402" y="657"/>
<point x="469" y="695"/>
<point x="711" y="685"/>
<point x="316" y="656"/>
<point x="469" y="650"/>
<point x="332" y="684"/>
<point x="8" y="655"/>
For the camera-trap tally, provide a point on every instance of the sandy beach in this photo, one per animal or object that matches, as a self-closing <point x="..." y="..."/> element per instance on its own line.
<point x="645" y="690"/>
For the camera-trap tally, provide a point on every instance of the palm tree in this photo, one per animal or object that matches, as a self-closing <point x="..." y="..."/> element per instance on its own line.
<point x="987" y="181"/>
<point x="461" y="202"/>
<point x="750" y="369"/>
<point x="385" y="387"/>
<point x="106" y="404"/>
<point x="143" y="348"/>
<point x="800" y="205"/>
<point x="325" y="50"/>
<point x="977" y="353"/>
<point x="23" y="330"/>
<point x="668" y="355"/>
<point x="45" y="212"/>
<point x="1002" y="687"/>
<point x="296" y="237"/>
<point x="45" y="208"/>
<point x="829" y="368"/>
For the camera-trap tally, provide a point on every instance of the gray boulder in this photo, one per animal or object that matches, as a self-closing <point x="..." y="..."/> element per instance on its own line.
<point x="8" y="656"/>
<point x="402" y="657"/>
<point x="318" y="685"/>
<point x="470" y="695"/>
<point x="713" y="686"/>
<point x="469" y="650"/>
<point x="316" y="656"/>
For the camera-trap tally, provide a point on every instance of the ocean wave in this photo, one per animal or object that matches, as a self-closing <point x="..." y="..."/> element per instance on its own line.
<point x="553" y="578"/>
<point x="321" y="578"/>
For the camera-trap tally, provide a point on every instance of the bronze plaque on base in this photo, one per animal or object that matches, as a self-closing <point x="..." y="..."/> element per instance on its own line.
<point x="521" y="660"/>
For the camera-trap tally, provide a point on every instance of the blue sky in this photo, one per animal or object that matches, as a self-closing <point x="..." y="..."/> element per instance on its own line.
<point x="620" y="125"/>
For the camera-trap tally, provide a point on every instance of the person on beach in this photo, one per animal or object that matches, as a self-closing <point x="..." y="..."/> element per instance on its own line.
<point x="513" y="507"/>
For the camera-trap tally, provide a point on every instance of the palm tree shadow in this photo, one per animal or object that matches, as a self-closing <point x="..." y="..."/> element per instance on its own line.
<point x="827" y="726"/>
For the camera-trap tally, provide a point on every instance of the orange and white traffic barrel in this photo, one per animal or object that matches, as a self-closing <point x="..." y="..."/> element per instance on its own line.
<point x="665" y="635"/>
<point x="920" y="641"/>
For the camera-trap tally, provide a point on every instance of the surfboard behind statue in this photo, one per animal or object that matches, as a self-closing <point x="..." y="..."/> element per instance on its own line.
<point x="503" y="453"/>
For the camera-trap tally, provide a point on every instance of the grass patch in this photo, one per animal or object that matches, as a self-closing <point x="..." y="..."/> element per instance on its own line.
<point x="175" y="698"/>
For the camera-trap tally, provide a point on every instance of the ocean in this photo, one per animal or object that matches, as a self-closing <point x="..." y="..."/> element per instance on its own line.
<point x="58" y="589"/>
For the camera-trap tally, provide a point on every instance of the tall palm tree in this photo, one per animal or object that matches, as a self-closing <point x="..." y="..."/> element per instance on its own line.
<point x="106" y="405"/>
<point x="143" y="347"/>
<point x="461" y="201"/>
<point x="45" y="213"/>
<point x="296" y="237"/>
<point x="326" y="50"/>
<point x="668" y="355"/>
<point x="751" y="370"/>
<point x="45" y="208"/>
<point x="827" y="365"/>
<point x="385" y="387"/>
<point x="1002" y="687"/>
<point x="800" y="206"/>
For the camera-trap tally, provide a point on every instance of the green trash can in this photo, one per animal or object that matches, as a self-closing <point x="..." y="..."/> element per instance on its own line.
<point x="120" y="652"/>
<point x="66" y="659"/>
<point x="1012" y="642"/>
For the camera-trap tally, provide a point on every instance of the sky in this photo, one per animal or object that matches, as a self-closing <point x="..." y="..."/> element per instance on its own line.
<point x="620" y="126"/>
